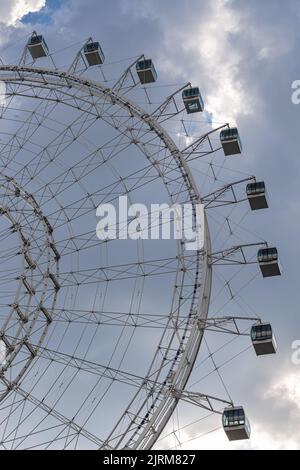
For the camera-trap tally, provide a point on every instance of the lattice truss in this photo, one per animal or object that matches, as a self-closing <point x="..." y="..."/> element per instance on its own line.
<point x="102" y="336"/>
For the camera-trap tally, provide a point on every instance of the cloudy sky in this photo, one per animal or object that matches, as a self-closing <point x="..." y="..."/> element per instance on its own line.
<point x="244" y="56"/>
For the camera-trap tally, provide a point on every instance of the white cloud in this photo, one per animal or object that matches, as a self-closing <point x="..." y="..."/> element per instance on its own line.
<point x="214" y="56"/>
<point x="287" y="389"/>
<point x="226" y="97"/>
<point x="13" y="11"/>
<point x="260" y="439"/>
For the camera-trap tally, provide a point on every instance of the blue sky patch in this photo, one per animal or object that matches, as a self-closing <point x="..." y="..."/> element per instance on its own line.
<point x="43" y="16"/>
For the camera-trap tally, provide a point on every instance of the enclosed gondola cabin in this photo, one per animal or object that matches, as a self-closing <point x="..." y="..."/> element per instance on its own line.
<point x="236" y="424"/>
<point x="263" y="339"/>
<point x="230" y="141"/>
<point x="257" y="196"/>
<point x="192" y="100"/>
<point x="146" y="71"/>
<point x="268" y="261"/>
<point x="94" y="54"/>
<point x="37" y="47"/>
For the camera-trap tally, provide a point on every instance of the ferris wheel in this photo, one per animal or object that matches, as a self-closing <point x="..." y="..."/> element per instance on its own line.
<point x="101" y="337"/>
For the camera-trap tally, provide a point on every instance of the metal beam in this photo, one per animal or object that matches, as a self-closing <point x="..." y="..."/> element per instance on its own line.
<point x="207" y="402"/>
